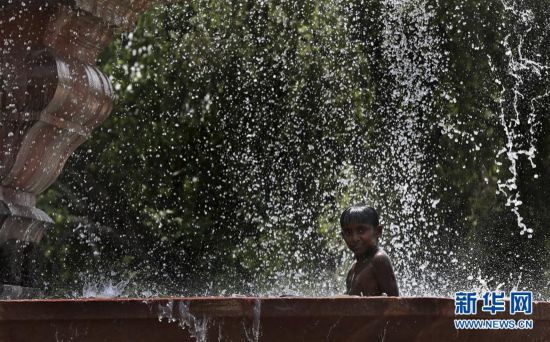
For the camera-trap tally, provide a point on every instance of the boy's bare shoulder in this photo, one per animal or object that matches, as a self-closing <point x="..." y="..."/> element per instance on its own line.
<point x="381" y="259"/>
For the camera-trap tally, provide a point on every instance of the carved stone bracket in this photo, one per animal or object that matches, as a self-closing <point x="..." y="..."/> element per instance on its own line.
<point x="52" y="97"/>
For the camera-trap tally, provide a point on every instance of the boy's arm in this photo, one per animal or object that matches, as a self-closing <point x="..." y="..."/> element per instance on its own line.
<point x="384" y="274"/>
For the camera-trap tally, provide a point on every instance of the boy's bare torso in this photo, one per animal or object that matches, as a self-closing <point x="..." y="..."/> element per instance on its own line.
<point x="372" y="276"/>
<point x="361" y="280"/>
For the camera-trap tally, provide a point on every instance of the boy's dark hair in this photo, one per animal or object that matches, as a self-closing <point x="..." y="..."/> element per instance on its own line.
<point x="360" y="214"/>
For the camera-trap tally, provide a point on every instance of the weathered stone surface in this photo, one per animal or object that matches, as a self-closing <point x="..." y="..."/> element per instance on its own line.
<point x="51" y="98"/>
<point x="345" y="319"/>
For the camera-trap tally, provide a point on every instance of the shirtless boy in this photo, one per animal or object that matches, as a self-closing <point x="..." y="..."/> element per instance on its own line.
<point x="372" y="273"/>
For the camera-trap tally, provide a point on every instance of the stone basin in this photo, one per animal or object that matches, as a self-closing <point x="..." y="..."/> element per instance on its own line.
<point x="253" y="319"/>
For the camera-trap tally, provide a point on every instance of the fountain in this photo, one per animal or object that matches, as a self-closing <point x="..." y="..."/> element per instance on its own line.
<point x="51" y="99"/>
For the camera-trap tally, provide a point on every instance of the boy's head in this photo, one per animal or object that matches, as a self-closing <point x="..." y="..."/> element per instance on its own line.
<point x="360" y="228"/>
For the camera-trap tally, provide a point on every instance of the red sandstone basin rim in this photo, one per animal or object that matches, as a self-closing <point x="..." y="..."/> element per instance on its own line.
<point x="341" y="306"/>
<point x="258" y="319"/>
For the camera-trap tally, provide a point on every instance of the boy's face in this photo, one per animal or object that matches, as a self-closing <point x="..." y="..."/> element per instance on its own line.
<point x="360" y="237"/>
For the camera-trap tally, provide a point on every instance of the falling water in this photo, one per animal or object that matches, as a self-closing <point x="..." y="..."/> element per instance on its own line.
<point x="524" y="65"/>
<point x="415" y="61"/>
